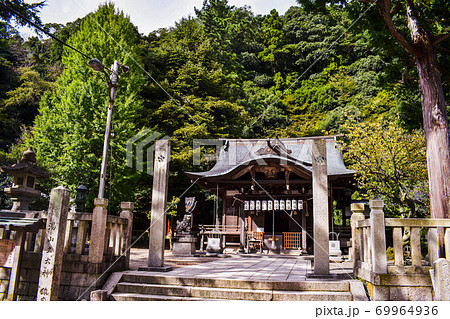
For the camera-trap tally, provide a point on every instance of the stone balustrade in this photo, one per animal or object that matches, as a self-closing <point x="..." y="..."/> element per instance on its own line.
<point x="93" y="243"/>
<point x="407" y="276"/>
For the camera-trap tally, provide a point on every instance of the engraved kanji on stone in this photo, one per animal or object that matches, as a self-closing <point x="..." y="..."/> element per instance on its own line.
<point x="43" y="291"/>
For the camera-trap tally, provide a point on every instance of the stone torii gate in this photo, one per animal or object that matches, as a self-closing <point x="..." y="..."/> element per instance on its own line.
<point x="320" y="208"/>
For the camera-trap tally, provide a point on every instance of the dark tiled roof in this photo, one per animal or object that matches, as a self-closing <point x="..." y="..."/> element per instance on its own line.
<point x="292" y="151"/>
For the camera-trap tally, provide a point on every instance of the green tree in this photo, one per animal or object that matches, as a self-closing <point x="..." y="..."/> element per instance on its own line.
<point x="28" y="10"/>
<point x="390" y="162"/>
<point x="68" y="132"/>
<point x="21" y="105"/>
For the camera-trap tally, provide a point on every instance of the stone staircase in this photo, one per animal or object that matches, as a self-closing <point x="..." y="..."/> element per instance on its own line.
<point x="134" y="285"/>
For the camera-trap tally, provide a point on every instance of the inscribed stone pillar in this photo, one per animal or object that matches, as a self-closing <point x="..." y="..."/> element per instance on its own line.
<point x="98" y="230"/>
<point x="442" y="280"/>
<point x="159" y="204"/>
<point x="320" y="207"/>
<point x="377" y="230"/>
<point x="52" y="255"/>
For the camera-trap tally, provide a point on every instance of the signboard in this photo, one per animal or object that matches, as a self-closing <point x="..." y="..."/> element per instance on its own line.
<point x="7" y="252"/>
<point x="258" y="205"/>
<point x="252" y="205"/>
<point x="269" y="205"/>
<point x="246" y="205"/>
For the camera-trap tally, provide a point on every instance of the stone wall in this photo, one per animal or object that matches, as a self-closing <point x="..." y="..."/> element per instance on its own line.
<point x="400" y="283"/>
<point x="77" y="277"/>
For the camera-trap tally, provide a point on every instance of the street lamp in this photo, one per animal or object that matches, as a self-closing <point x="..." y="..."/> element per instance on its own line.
<point x="97" y="65"/>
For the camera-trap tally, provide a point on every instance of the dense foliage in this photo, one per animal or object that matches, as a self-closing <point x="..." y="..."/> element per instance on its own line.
<point x="225" y="73"/>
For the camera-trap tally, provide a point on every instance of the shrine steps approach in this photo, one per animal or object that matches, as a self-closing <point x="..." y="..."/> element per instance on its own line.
<point x="143" y="286"/>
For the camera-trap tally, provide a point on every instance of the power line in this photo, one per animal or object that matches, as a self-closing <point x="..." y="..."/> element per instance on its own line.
<point x="44" y="31"/>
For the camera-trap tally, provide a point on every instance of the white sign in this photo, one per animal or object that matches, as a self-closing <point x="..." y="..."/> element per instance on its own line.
<point x="246" y="205"/>
<point x="276" y="204"/>
<point x="269" y="205"/>
<point x="252" y="205"/>
<point x="282" y="204"/>
<point x="258" y="205"/>
<point x="294" y="204"/>
<point x="288" y="204"/>
<point x="300" y="204"/>
<point x="264" y="205"/>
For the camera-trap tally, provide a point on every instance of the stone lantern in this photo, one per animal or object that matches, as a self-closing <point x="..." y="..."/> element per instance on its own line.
<point x="25" y="173"/>
<point x="81" y="197"/>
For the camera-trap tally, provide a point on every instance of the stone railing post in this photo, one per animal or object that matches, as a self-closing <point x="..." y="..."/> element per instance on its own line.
<point x="378" y="234"/>
<point x="127" y="208"/>
<point x="52" y="255"/>
<point x="98" y="230"/>
<point x="357" y="214"/>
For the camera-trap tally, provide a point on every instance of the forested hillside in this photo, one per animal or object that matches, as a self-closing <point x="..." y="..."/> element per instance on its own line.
<point x="223" y="73"/>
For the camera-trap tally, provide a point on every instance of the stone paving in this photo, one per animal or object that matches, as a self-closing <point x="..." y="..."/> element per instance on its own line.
<point x="243" y="267"/>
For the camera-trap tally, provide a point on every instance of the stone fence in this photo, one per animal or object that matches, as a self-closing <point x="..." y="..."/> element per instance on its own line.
<point x="407" y="277"/>
<point x="95" y="245"/>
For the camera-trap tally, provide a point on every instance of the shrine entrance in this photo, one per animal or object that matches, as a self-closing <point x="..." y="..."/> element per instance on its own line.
<point x="266" y="188"/>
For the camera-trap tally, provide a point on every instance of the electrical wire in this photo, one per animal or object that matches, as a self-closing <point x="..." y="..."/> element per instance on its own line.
<point x="44" y="31"/>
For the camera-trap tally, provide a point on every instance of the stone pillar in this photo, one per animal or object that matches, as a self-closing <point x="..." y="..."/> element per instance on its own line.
<point x="16" y="265"/>
<point x="378" y="234"/>
<point x="127" y="208"/>
<point x="304" y="232"/>
<point x="159" y="206"/>
<point x="442" y="280"/>
<point x="98" y="230"/>
<point x="433" y="245"/>
<point x="447" y="244"/>
<point x="242" y="229"/>
<point x="357" y="214"/>
<point x="52" y="255"/>
<point x="320" y="207"/>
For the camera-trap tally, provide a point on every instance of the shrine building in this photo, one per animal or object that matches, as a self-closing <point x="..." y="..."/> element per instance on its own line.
<point x="265" y="186"/>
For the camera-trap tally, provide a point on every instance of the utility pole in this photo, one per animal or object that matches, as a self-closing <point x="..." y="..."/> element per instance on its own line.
<point x="112" y="95"/>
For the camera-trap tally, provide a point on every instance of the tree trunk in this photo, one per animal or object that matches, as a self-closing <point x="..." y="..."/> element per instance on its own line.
<point x="435" y="121"/>
<point x="434" y="111"/>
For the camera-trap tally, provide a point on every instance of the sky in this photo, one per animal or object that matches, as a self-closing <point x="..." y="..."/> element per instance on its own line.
<point x="147" y="15"/>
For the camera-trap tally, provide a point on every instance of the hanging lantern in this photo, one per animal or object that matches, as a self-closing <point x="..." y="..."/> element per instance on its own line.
<point x="246" y="205"/>
<point x="276" y="204"/>
<point x="258" y="205"/>
<point x="252" y="205"/>
<point x="282" y="204"/>
<point x="300" y="204"/>
<point x="269" y="205"/>
<point x="294" y="204"/>
<point x="288" y="204"/>
<point x="264" y="205"/>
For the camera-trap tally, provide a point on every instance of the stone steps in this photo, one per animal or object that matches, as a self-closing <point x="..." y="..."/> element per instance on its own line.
<point x="145" y="286"/>
<point x="122" y="296"/>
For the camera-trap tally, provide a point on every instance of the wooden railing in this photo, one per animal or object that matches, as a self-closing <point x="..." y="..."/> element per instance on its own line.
<point x="225" y="229"/>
